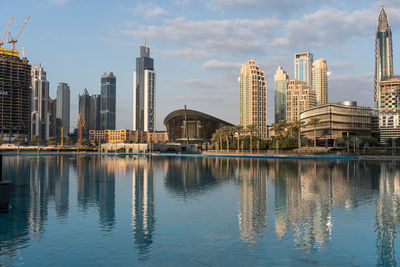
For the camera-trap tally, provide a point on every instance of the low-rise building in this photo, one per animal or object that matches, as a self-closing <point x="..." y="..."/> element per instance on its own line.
<point x="338" y="120"/>
<point x="126" y="136"/>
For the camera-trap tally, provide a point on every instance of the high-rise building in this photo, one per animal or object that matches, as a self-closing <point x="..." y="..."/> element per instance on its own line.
<point x="303" y="67"/>
<point x="54" y="129"/>
<point x="281" y="82"/>
<point x="144" y="89"/>
<point x="40" y="116"/>
<point x="320" y="81"/>
<point x="253" y="97"/>
<point x="84" y="111"/>
<point x="108" y="101"/>
<point x="389" y="109"/>
<point x="63" y="106"/>
<point x="300" y="96"/>
<point x="94" y="117"/>
<point x="15" y="95"/>
<point x="383" y="54"/>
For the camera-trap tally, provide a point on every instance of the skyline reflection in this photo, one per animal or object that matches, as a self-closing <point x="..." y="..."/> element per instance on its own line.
<point x="299" y="200"/>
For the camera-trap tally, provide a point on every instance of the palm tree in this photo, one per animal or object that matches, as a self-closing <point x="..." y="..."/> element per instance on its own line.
<point x="239" y="129"/>
<point x="314" y="122"/>
<point x="297" y="127"/>
<point x="251" y="129"/>
<point x="284" y="127"/>
<point x="227" y="132"/>
<point x="214" y="138"/>
<point x="277" y="127"/>
<point x="1" y="140"/>
<point x="18" y="140"/>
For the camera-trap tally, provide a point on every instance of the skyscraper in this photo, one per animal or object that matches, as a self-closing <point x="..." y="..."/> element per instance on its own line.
<point x="63" y="106"/>
<point x="299" y="96"/>
<point x="89" y="108"/>
<point x="84" y="111"/>
<point x="144" y="89"/>
<point x="320" y="81"/>
<point x="281" y="82"/>
<point x="94" y="117"/>
<point x="15" y="95"/>
<point x="108" y="101"/>
<point x="383" y="54"/>
<point x="40" y="116"/>
<point x="303" y="66"/>
<point x="253" y="97"/>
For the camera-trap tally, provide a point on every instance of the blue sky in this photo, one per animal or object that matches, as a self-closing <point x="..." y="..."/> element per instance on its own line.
<point x="198" y="46"/>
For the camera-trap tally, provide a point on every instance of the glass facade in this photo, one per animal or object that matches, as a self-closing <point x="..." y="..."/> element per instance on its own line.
<point x="108" y="101"/>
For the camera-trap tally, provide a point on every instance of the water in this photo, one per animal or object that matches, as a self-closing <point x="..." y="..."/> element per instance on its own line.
<point x="119" y="211"/>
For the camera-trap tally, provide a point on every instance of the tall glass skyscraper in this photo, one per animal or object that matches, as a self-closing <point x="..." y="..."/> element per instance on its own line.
<point x="383" y="54"/>
<point x="303" y="67"/>
<point x="108" y="101"/>
<point x="63" y="106"/>
<point x="281" y="82"/>
<point x="144" y="89"/>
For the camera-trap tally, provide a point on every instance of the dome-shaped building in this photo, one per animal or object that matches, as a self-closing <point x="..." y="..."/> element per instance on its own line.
<point x="200" y="126"/>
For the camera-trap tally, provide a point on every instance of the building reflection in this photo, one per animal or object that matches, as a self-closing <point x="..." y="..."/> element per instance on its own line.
<point x="253" y="199"/>
<point x="387" y="214"/>
<point x="143" y="205"/>
<point x="96" y="188"/>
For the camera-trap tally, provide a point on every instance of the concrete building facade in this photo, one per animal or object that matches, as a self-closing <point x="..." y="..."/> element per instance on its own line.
<point x="303" y="67"/>
<point x="281" y="80"/>
<point x="320" y="82"/>
<point x="337" y="120"/>
<point x="299" y="97"/>
<point x="63" y="106"/>
<point x="40" y="116"/>
<point x="389" y="111"/>
<point x="15" y="95"/>
<point x="126" y="136"/>
<point x="253" y="97"/>
<point x="144" y="89"/>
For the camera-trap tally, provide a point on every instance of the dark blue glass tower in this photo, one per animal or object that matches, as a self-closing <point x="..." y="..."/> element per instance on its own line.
<point x="108" y="101"/>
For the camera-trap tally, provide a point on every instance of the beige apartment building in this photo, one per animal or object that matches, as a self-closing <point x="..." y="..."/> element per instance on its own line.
<point x="253" y="97"/>
<point x="320" y="81"/>
<point x="126" y="136"/>
<point x="299" y="97"/>
<point x="389" y="111"/>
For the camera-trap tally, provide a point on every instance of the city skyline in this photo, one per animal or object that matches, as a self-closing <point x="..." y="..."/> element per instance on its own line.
<point x="206" y="76"/>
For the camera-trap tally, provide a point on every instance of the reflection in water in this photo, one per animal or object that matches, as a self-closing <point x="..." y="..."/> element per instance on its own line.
<point x="96" y="187"/>
<point x="303" y="197"/>
<point x="253" y="199"/>
<point x="143" y="202"/>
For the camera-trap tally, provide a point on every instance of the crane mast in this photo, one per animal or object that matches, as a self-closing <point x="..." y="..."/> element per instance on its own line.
<point x="5" y="32"/>
<point x="14" y="40"/>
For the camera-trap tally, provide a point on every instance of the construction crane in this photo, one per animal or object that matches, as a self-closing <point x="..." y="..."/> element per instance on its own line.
<point x="5" y="32"/>
<point x="14" y="40"/>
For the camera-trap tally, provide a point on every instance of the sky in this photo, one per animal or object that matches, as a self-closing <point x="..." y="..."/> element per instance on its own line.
<point x="198" y="47"/>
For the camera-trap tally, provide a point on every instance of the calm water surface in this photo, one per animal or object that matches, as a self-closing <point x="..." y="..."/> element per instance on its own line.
<point x="119" y="211"/>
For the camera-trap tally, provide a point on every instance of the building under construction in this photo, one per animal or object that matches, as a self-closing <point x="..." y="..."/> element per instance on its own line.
<point x="15" y="95"/>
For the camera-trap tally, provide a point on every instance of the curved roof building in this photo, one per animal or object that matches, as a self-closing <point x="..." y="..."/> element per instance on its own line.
<point x="200" y="126"/>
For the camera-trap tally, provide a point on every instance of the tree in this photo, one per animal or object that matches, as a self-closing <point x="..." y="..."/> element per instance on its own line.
<point x="226" y="131"/>
<point x="1" y="140"/>
<point x="297" y="125"/>
<point x="35" y="140"/>
<point x="251" y="129"/>
<point x="18" y="140"/>
<point x="239" y="129"/>
<point x="214" y="139"/>
<point x="69" y="141"/>
<point x="85" y="142"/>
<point x="314" y="122"/>
<point x="277" y="127"/>
<point x="52" y="141"/>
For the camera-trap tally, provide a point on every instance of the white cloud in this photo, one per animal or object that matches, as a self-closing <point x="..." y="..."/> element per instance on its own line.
<point x="218" y="64"/>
